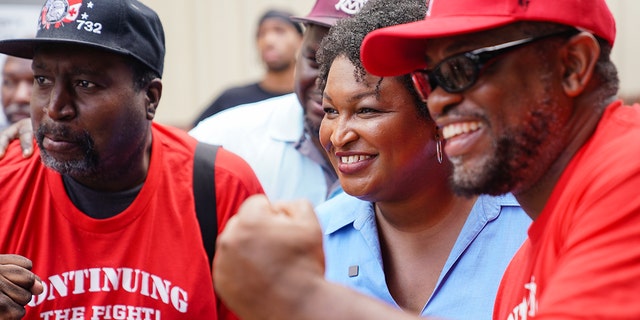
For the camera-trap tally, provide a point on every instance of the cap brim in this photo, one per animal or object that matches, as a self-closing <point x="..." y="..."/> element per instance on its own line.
<point x="22" y="48"/>
<point x="400" y="49"/>
<point x="323" y="21"/>
<point x="25" y="48"/>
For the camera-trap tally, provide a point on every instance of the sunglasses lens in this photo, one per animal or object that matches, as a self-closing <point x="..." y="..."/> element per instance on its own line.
<point x="456" y="73"/>
<point x="421" y="83"/>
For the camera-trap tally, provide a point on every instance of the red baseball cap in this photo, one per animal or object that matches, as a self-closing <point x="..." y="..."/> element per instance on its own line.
<point x="400" y="49"/>
<point x="327" y="12"/>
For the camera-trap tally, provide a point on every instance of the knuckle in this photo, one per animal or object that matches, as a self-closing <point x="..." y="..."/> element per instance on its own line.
<point x="9" y="310"/>
<point x="23" y="297"/>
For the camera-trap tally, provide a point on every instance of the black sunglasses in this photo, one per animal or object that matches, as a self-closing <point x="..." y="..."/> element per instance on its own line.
<point x="461" y="71"/>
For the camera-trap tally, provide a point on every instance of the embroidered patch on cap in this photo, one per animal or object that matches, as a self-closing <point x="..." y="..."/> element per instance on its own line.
<point x="350" y="7"/>
<point x="58" y="12"/>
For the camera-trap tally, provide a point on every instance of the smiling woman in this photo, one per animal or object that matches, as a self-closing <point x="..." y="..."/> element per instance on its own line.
<point x="399" y="220"/>
<point x="365" y="119"/>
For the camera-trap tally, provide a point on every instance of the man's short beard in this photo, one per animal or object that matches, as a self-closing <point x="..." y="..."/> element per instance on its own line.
<point x="86" y="166"/>
<point x="519" y="159"/>
<point x="493" y="177"/>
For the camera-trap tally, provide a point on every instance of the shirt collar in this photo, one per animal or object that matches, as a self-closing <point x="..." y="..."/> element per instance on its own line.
<point x="348" y="210"/>
<point x="287" y="122"/>
<point x="486" y="208"/>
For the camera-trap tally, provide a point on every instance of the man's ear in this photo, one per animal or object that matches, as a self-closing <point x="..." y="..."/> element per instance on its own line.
<point x="153" y="94"/>
<point x="579" y="56"/>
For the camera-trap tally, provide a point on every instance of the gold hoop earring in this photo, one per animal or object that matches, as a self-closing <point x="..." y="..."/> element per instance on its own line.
<point x="439" y="150"/>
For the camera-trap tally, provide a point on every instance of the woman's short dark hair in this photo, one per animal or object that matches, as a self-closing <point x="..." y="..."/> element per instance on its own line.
<point x="345" y="38"/>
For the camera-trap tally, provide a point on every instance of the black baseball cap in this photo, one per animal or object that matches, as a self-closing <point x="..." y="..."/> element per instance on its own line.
<point x="126" y="27"/>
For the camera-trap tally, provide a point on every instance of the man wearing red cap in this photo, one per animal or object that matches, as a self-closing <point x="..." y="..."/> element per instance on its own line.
<point x="525" y="95"/>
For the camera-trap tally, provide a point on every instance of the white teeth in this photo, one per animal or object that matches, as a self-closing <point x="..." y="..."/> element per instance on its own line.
<point x="353" y="159"/>
<point x="455" y="129"/>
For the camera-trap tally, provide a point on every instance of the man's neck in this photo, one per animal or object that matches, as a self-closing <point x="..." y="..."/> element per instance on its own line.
<point x="97" y="204"/>
<point x="122" y="173"/>
<point x="278" y="81"/>
<point x="534" y="198"/>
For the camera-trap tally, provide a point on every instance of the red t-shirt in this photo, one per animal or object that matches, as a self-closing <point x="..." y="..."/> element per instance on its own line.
<point x="582" y="257"/>
<point x="148" y="262"/>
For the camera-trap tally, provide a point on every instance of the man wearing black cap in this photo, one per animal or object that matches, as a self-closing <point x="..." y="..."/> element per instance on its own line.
<point x="278" y="38"/>
<point x="106" y="216"/>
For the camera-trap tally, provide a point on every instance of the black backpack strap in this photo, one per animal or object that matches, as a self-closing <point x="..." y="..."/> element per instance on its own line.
<point x="204" y="192"/>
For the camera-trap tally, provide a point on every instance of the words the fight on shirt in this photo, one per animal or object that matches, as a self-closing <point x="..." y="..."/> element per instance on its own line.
<point x="106" y="279"/>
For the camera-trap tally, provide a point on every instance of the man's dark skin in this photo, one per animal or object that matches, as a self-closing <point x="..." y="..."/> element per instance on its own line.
<point x="19" y="284"/>
<point x="22" y="130"/>
<point x="64" y="108"/>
